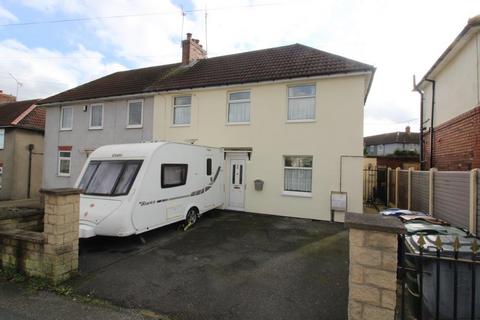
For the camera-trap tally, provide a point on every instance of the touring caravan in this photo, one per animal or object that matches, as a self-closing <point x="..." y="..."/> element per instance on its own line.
<point x="133" y="188"/>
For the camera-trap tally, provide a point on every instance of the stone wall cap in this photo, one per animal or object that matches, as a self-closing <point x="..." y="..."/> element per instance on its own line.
<point x="375" y="222"/>
<point x="61" y="191"/>
<point x="18" y="234"/>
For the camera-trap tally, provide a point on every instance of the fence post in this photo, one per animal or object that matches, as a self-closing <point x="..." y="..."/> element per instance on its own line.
<point x="430" y="190"/>
<point x="473" y="201"/>
<point x="409" y="192"/>
<point x="397" y="174"/>
<point x="388" y="186"/>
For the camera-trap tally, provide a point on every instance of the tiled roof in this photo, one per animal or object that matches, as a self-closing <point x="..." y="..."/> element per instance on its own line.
<point x="34" y="120"/>
<point x="11" y="112"/>
<point x="293" y="61"/>
<point x="393" y="137"/>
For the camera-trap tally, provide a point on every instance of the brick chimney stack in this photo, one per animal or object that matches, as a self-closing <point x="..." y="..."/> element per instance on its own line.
<point x="4" y="97"/>
<point x="192" y="50"/>
<point x="407" y="130"/>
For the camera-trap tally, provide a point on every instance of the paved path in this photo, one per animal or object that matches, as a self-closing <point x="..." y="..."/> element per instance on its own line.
<point x="19" y="303"/>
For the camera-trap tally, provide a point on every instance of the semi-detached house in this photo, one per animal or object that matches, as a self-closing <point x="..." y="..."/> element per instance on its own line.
<point x="289" y="116"/>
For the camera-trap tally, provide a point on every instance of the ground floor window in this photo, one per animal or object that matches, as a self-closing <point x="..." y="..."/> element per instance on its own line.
<point x="298" y="173"/>
<point x="64" y="161"/>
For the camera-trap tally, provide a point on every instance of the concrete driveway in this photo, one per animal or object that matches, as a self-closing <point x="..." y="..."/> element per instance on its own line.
<point x="230" y="265"/>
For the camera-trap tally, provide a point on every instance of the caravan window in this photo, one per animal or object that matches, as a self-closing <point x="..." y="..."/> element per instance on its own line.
<point x="109" y="178"/>
<point x="209" y="166"/>
<point x="174" y="175"/>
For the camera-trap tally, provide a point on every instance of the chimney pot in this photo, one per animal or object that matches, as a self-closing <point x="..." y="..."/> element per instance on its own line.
<point x="407" y="129"/>
<point x="189" y="36"/>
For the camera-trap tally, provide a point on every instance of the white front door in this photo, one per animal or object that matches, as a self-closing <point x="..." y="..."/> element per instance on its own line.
<point x="237" y="184"/>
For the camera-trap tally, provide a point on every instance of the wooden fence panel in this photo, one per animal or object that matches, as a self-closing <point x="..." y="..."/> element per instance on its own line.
<point x="451" y="197"/>
<point x="420" y="191"/>
<point x="391" y="187"/>
<point x="403" y="189"/>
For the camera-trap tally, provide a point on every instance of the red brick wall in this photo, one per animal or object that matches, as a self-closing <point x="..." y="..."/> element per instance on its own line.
<point x="456" y="143"/>
<point x="398" y="162"/>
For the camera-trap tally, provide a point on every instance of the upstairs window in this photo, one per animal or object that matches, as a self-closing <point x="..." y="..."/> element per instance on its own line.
<point x="135" y="114"/>
<point x="66" y="118"/>
<point x="301" y="103"/>
<point x="298" y="173"/>
<point x="174" y="175"/>
<point x="182" y="110"/>
<point x="96" y="116"/>
<point x="239" y="107"/>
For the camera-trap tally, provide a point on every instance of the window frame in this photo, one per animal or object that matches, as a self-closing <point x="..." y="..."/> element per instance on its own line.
<point x="134" y="126"/>
<point x="61" y="119"/>
<point x="229" y="101"/>
<point x="302" y="97"/>
<point x="2" y="145"/>
<point x="302" y="194"/>
<point x="113" y="194"/>
<point x="209" y="166"/>
<point x="162" y="174"/>
<point x="181" y="106"/>
<point x="60" y="158"/>
<point x="90" y="127"/>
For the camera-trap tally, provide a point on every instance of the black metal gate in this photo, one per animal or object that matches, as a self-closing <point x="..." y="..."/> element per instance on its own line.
<point x="436" y="280"/>
<point x="375" y="186"/>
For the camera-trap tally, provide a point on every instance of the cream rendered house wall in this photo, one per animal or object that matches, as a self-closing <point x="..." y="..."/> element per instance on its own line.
<point x="337" y="130"/>
<point x="457" y="85"/>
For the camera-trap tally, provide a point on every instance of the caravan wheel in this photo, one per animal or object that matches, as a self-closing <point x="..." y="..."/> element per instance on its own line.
<point x="192" y="216"/>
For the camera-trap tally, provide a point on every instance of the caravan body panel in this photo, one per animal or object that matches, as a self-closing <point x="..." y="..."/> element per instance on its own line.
<point x="167" y="180"/>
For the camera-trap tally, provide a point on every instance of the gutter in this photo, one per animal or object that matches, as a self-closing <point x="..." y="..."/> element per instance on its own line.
<point x="212" y="87"/>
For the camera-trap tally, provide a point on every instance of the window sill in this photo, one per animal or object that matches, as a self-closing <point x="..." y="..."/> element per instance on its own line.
<point x="179" y="125"/>
<point x="95" y="128"/>
<point x="237" y="123"/>
<point x="63" y="175"/>
<point x="135" y="126"/>
<point x="66" y="129"/>
<point x="301" y="121"/>
<point x="297" y="194"/>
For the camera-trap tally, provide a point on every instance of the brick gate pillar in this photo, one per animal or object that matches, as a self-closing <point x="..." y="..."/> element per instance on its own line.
<point x="373" y="266"/>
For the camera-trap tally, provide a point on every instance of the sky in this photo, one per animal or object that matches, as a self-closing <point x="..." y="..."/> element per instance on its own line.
<point x="49" y="46"/>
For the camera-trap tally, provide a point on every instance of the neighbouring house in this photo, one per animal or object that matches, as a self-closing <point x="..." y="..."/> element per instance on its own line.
<point x="393" y="143"/>
<point x="22" y="126"/>
<point x="450" y="104"/>
<point x="392" y="150"/>
<point x="290" y="116"/>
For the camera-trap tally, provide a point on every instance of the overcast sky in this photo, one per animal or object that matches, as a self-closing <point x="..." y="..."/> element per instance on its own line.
<point x="400" y="38"/>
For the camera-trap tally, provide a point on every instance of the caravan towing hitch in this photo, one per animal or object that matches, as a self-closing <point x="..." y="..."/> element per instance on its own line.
<point x="188" y="225"/>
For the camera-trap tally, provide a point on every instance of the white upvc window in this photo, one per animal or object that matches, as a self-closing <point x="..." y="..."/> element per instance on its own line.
<point x="135" y="114"/>
<point x="182" y="107"/>
<point x="298" y="175"/>
<point x="66" y="118"/>
<point x="301" y="103"/>
<point x="64" y="163"/>
<point x="96" y="116"/>
<point x="239" y="107"/>
<point x="2" y="139"/>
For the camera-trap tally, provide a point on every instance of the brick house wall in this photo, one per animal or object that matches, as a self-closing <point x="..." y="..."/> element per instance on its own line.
<point x="456" y="143"/>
